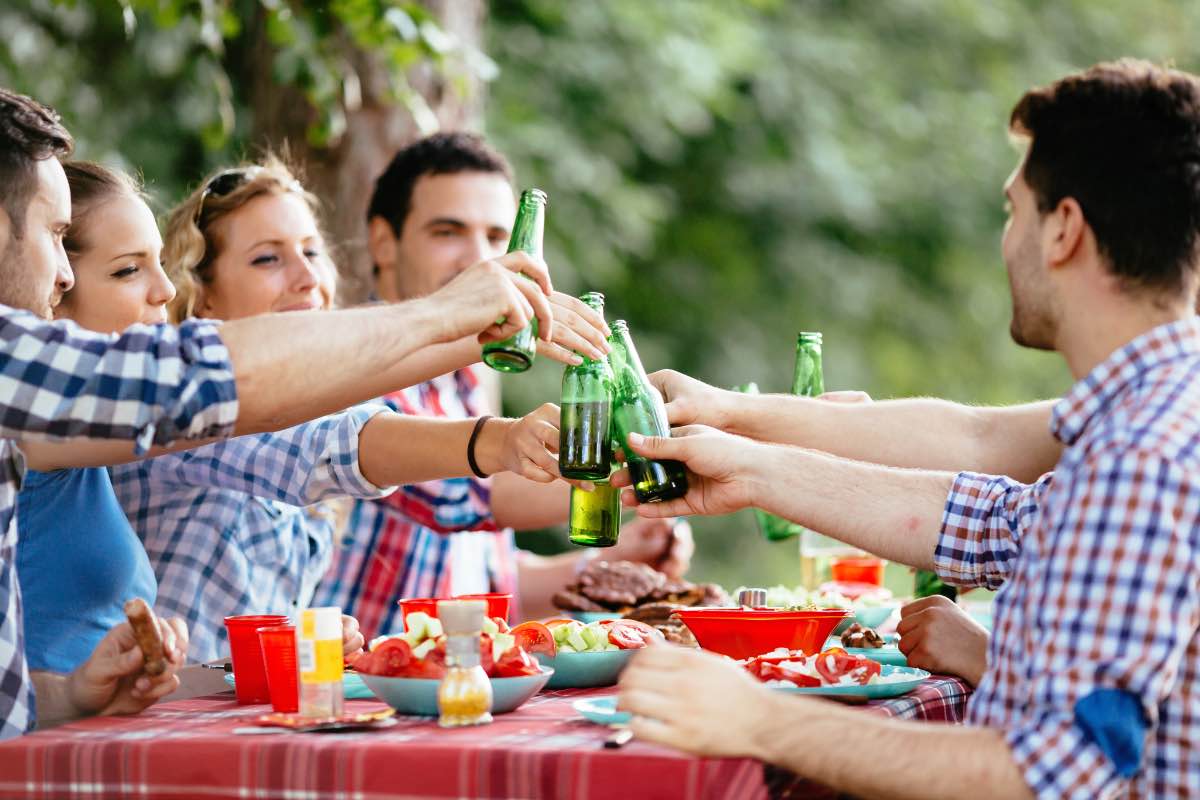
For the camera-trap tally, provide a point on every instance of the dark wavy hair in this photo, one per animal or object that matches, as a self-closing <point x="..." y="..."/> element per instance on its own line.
<point x="1123" y="140"/>
<point x="29" y="132"/>
<point x="438" y="154"/>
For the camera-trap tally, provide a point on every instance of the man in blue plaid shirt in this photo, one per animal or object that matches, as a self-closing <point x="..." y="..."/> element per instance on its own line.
<point x="1092" y="686"/>
<point x="158" y="385"/>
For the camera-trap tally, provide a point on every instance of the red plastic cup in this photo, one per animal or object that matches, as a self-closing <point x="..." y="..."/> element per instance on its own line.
<point x="497" y="602"/>
<point x="411" y="605"/>
<point x="279" y="661"/>
<point x="858" y="569"/>
<point x="245" y="650"/>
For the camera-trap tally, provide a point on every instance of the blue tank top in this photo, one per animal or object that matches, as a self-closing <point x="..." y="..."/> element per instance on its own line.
<point x="78" y="561"/>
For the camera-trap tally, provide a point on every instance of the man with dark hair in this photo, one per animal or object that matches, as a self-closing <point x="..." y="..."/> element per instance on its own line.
<point x="155" y="386"/>
<point x="1093" y="677"/>
<point x="443" y="202"/>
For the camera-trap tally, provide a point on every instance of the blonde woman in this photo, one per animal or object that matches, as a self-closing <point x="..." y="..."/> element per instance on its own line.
<point x="226" y="525"/>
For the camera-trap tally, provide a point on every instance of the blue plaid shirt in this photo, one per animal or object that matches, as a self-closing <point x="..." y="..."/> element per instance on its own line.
<point x="1094" y="664"/>
<point x="226" y="528"/>
<point x="152" y="385"/>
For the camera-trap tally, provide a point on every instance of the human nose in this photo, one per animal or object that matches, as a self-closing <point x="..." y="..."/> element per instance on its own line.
<point x="162" y="291"/>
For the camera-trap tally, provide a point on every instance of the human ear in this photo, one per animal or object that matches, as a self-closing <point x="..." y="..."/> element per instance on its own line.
<point x="1063" y="232"/>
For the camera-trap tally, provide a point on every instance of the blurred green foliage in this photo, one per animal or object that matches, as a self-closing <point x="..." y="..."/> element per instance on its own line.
<point x="162" y="87"/>
<point x="726" y="172"/>
<point x="729" y="173"/>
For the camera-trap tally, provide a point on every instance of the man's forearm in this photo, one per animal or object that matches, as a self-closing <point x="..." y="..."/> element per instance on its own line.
<point x="922" y="433"/>
<point x="922" y="761"/>
<point x="891" y="512"/>
<point x="301" y="365"/>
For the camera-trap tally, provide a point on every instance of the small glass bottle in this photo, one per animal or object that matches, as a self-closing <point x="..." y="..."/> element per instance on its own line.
<point x="584" y="452"/>
<point x="638" y="408"/>
<point x="516" y="353"/>
<point x="465" y="693"/>
<point x="319" y="658"/>
<point x="595" y="519"/>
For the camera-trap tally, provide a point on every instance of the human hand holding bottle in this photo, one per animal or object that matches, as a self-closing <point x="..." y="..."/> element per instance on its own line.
<point x="693" y="402"/>
<point x="525" y="446"/>
<point x="724" y="471"/>
<point x="578" y="329"/>
<point x="492" y="301"/>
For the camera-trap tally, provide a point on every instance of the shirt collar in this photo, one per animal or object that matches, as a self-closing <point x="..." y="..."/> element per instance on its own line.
<point x="1096" y="391"/>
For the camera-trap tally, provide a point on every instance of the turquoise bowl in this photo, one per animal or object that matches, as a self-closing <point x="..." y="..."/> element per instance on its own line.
<point x="418" y="696"/>
<point x="588" y="617"/>
<point x="585" y="670"/>
<point x="867" y="616"/>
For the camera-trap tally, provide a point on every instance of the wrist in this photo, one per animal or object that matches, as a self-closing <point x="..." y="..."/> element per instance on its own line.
<point x="423" y="317"/>
<point x="74" y="694"/>
<point x="762" y="473"/>
<point x="491" y="444"/>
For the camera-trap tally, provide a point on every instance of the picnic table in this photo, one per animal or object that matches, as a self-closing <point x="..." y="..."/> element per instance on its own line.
<point x="188" y="749"/>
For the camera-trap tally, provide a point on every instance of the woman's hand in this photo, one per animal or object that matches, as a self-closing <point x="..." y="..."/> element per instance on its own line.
<point x="530" y="445"/>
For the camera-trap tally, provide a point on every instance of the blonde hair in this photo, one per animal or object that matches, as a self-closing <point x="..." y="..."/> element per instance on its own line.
<point x="191" y="243"/>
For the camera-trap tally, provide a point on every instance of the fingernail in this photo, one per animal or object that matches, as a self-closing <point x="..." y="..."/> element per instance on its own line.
<point x="576" y="360"/>
<point x="636" y="438"/>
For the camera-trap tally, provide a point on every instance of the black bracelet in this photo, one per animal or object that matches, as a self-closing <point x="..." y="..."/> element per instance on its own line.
<point x="471" y="447"/>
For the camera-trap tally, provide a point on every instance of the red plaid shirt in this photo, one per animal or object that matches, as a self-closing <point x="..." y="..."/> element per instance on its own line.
<point x="1098" y="566"/>
<point x="432" y="539"/>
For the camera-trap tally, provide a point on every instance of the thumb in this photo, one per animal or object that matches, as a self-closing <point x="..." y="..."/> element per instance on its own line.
<point x="657" y="447"/>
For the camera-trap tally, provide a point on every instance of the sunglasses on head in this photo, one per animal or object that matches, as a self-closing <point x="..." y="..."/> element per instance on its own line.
<point x="222" y="184"/>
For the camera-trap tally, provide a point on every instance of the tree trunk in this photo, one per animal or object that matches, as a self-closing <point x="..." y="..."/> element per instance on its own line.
<point x="343" y="174"/>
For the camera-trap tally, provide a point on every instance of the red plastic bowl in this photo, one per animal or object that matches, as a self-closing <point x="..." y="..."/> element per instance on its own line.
<point x="497" y="602"/>
<point x="744" y="633"/>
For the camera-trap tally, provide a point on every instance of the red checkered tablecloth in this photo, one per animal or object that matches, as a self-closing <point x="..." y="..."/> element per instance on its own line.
<point x="187" y="749"/>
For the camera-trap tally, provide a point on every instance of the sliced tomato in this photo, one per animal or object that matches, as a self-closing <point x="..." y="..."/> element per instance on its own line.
<point x="391" y="658"/>
<point x="835" y="662"/>
<point x="534" y="637"/>
<point x="515" y="662"/>
<point x="629" y="634"/>
<point x="554" y="623"/>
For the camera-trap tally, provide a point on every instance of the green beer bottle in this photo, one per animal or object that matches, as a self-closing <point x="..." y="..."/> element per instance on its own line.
<point x="584" y="451"/>
<point x="807" y="381"/>
<point x="927" y="584"/>
<point x="516" y="353"/>
<point x="595" y="519"/>
<point x="638" y="408"/>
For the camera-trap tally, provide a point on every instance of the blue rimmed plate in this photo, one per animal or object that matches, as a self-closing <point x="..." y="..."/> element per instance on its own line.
<point x="602" y="711"/>
<point x="889" y="654"/>
<point x="874" y="691"/>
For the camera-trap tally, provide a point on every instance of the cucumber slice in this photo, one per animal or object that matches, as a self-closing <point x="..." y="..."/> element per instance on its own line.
<point x="423" y="649"/>
<point x="576" y="640"/>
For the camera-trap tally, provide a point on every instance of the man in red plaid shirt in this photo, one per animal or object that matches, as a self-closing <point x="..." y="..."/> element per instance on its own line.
<point x="1092" y="687"/>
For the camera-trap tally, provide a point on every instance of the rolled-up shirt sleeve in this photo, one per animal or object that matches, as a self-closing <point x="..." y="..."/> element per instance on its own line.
<point x="983" y="523"/>
<point x="301" y="465"/>
<point x="153" y="384"/>
<point x="1121" y="608"/>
